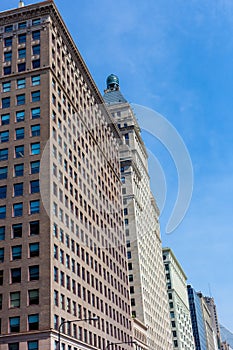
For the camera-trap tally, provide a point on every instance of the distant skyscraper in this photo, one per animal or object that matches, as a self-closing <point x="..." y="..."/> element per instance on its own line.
<point x="178" y="302"/>
<point x="224" y="346"/>
<point x="62" y="242"/>
<point x="197" y="319"/>
<point x="211" y="343"/>
<point x="214" y="317"/>
<point x="148" y="293"/>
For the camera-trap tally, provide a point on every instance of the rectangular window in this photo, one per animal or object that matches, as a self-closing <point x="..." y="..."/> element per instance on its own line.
<point x="17" y="230"/>
<point x="16" y="252"/>
<point x="13" y="346"/>
<point x="35" y="130"/>
<point x="33" y="297"/>
<point x="7" y="56"/>
<point x="6" y="102"/>
<point x="19" y="169"/>
<point x="14" y="323"/>
<point x="35" y="96"/>
<point x="21" y="67"/>
<point x="15" y="299"/>
<point x="3" y="173"/>
<point x="1" y="255"/>
<point x="22" y="53"/>
<point x="6" y="86"/>
<point x="18" y="189"/>
<point x="35" y="148"/>
<point x="35" y="167"/>
<point x="4" y="136"/>
<point x="20" y="116"/>
<point x="21" y="83"/>
<point x="20" y="99"/>
<point x="36" y="49"/>
<point x="19" y="134"/>
<point x="5" y="119"/>
<point x="34" y="228"/>
<point x="3" y="154"/>
<point x="35" y="80"/>
<point x="8" y="28"/>
<point x="55" y="274"/>
<point x="22" y="38"/>
<point x="33" y="273"/>
<point x="36" y="63"/>
<point x="22" y="25"/>
<point x="19" y="151"/>
<point x="17" y="209"/>
<point x="35" y="113"/>
<point x="0" y="301"/>
<point x="34" y="207"/>
<point x="36" y="35"/>
<point x="35" y="186"/>
<point x="33" y="345"/>
<point x="8" y="42"/>
<point x="7" y="70"/>
<point x="36" y="21"/>
<point x="2" y="233"/>
<point x="2" y="212"/>
<point x="34" y="249"/>
<point x="16" y="275"/>
<point x="3" y="190"/>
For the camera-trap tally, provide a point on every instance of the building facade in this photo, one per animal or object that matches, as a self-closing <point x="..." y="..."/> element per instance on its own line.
<point x="197" y="320"/>
<point x="214" y="317"/>
<point x="62" y="241"/>
<point x="139" y="335"/>
<point x="225" y="346"/>
<point x="210" y="339"/>
<point x="178" y="302"/>
<point x="146" y="272"/>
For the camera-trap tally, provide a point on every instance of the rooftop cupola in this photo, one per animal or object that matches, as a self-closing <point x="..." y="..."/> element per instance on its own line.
<point x="112" y="82"/>
<point x="21" y="3"/>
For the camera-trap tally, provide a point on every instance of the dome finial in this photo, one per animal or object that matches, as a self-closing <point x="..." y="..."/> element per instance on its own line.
<point x="21" y="3"/>
<point x="112" y="82"/>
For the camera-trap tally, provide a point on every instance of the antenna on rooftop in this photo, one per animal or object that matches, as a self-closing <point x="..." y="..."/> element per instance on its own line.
<point x="21" y="3"/>
<point x="210" y="294"/>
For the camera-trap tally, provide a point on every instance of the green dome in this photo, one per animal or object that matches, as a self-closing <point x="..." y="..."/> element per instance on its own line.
<point x="112" y="81"/>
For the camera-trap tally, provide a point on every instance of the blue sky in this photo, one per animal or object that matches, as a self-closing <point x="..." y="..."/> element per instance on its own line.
<point x="175" y="57"/>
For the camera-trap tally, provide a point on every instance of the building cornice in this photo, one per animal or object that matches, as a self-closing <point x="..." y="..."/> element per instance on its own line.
<point x="169" y="250"/>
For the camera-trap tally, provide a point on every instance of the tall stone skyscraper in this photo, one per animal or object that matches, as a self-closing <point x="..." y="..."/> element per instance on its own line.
<point x="148" y="293"/>
<point x="62" y="243"/>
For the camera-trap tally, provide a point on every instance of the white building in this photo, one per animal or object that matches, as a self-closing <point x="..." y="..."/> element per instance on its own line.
<point x="178" y="302"/>
<point x="146" y="272"/>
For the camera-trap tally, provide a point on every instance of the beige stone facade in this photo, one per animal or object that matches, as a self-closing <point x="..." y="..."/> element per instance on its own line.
<point x="215" y="324"/>
<point x="148" y="294"/>
<point x="62" y="242"/>
<point x="140" y="335"/>
<point x="225" y="346"/>
<point x="210" y="341"/>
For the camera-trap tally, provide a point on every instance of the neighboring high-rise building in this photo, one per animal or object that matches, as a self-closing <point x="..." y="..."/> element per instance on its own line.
<point x="211" y="343"/>
<point x="148" y="293"/>
<point x="140" y="334"/>
<point x="198" y="325"/>
<point x="178" y="302"/>
<point x="225" y="346"/>
<point x="62" y="241"/>
<point x="214" y="317"/>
